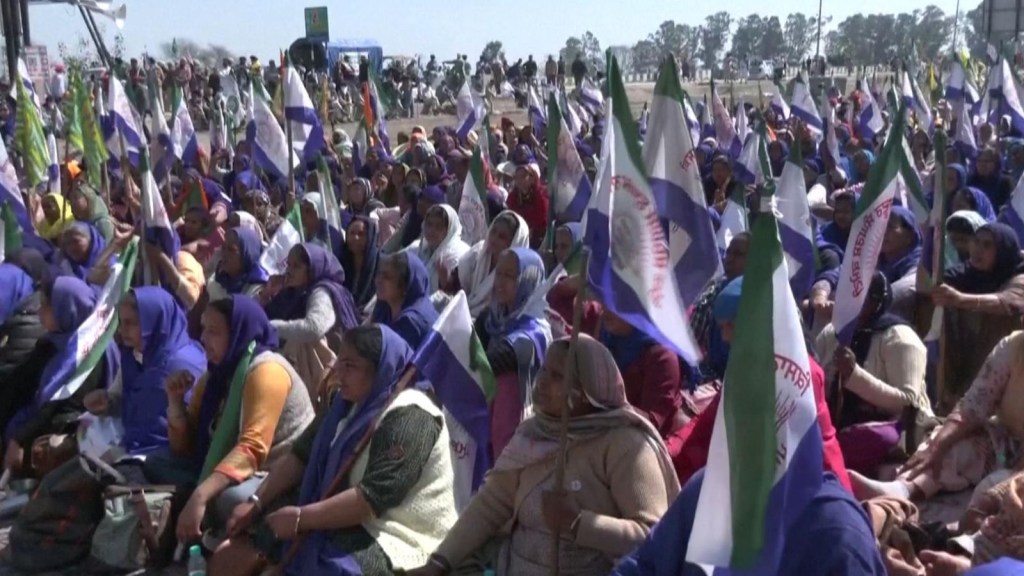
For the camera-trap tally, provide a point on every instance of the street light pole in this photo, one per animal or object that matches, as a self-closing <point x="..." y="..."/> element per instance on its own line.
<point x="817" y="46"/>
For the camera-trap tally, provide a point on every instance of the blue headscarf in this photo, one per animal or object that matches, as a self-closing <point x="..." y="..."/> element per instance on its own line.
<point x="252" y="272"/>
<point x="413" y="228"/>
<point x="628" y="348"/>
<point x="525" y="317"/>
<point x="852" y="176"/>
<point x="830" y="235"/>
<point x="1008" y="263"/>
<point x="15" y="286"/>
<point x="324" y="272"/>
<point x="903" y="264"/>
<point x="73" y="301"/>
<point x="418" y="313"/>
<point x="318" y="553"/>
<point x="96" y="245"/>
<point x="248" y="323"/>
<point x="979" y="203"/>
<point x="166" y="349"/>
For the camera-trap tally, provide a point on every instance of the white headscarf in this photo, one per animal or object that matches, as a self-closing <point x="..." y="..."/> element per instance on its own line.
<point x="447" y="253"/>
<point x="476" y="273"/>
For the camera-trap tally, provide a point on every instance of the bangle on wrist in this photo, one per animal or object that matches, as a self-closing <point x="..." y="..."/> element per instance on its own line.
<point x="440" y="562"/>
<point x="298" y="520"/>
<point x="575" y="526"/>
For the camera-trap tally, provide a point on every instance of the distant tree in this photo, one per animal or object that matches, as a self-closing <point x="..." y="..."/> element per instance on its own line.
<point x="624" y="54"/>
<point x="208" y="55"/>
<point x="592" y="52"/>
<point x="973" y="28"/>
<point x="933" y="32"/>
<point x="646" y="56"/>
<point x="800" y="33"/>
<point x="715" y="37"/>
<point x="748" y="33"/>
<point x="491" y="51"/>
<point x="573" y="46"/>
<point x="772" y="43"/>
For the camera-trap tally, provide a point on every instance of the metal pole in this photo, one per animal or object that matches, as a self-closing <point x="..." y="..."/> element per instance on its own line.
<point x="817" y="46"/>
<point x="10" y="32"/>
<point x="25" y="32"/>
<point x="956" y="24"/>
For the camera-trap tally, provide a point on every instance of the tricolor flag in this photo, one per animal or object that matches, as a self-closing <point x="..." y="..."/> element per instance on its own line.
<point x="183" y="131"/>
<point x="30" y="140"/>
<point x="91" y="339"/>
<point x="676" y="183"/>
<point x="469" y="108"/>
<point x="871" y="217"/>
<point x="803" y="106"/>
<point x="568" y="184"/>
<point x="275" y="257"/>
<point x="473" y="205"/>
<point x="452" y="358"/>
<point x="374" y="113"/>
<point x="795" y="226"/>
<point x="630" y="264"/>
<point x="307" y="130"/>
<point x="765" y="462"/>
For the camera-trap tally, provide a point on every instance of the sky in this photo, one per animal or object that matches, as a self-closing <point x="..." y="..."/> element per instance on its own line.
<point x="413" y="27"/>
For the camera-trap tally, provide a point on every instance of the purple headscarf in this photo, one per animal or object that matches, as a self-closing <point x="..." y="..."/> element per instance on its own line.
<point x="252" y="272"/>
<point x="248" y="323"/>
<point x="96" y="245"/>
<point x="418" y="313"/>
<point x="324" y="272"/>
<point x="902" y="265"/>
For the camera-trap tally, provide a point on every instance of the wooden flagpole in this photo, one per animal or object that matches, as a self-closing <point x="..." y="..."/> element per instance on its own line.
<point x="570" y="378"/>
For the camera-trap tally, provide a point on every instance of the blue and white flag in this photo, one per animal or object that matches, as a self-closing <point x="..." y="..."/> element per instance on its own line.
<point x="828" y="117"/>
<point x="155" y="222"/>
<point x="536" y="110"/>
<point x="747" y="165"/>
<point x="183" y="132"/>
<point x="964" y="139"/>
<point x="778" y="104"/>
<point x="569" y="115"/>
<point x="269" y="144"/>
<point x="469" y="108"/>
<point x="915" y="100"/>
<point x="125" y="118"/>
<point x="307" y="129"/>
<point x="161" y="149"/>
<point x="453" y="359"/>
<point x="1013" y="215"/>
<point x="692" y="122"/>
<point x="803" y="106"/>
<point x="630" y="264"/>
<point x="26" y="81"/>
<point x="569" y="186"/>
<point x="1003" y="88"/>
<point x="870" y="121"/>
<point x="91" y="339"/>
<point x="676" y="184"/>
<point x="795" y="226"/>
<point x="591" y="97"/>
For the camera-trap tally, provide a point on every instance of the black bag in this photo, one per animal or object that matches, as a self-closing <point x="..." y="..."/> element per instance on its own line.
<point x="55" y="528"/>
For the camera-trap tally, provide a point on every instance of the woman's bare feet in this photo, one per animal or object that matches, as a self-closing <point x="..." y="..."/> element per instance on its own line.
<point x="865" y="488"/>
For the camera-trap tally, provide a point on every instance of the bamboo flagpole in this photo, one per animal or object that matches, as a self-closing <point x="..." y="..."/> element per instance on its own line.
<point x="570" y="378"/>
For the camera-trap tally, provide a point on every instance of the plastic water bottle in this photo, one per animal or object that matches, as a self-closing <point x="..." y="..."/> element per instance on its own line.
<point x="196" y="562"/>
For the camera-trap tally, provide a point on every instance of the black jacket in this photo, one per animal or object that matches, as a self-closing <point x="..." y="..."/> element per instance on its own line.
<point x="18" y="335"/>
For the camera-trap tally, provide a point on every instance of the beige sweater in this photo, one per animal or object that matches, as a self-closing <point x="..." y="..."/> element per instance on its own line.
<point x="616" y="480"/>
<point x="892" y="376"/>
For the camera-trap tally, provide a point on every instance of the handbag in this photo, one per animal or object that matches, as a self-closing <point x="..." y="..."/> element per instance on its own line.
<point x="133" y="532"/>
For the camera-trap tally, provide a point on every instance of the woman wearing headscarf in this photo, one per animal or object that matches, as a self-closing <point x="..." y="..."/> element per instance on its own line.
<point x="412" y="226"/>
<point x="983" y="299"/>
<point x="28" y="408"/>
<point x="610" y="509"/>
<point x="154" y="344"/>
<point x="359" y="258"/>
<point x="562" y="296"/>
<point x="861" y="165"/>
<point x="899" y="258"/>
<point x="197" y="190"/>
<point x="880" y="375"/>
<point x="961" y="226"/>
<point x="241" y="163"/>
<point x="311" y="310"/>
<point x="654" y="380"/>
<point x="440" y="247"/>
<point x="705" y="329"/>
<point x="245" y="413"/>
<point x="15" y="285"/>
<point x="970" y="198"/>
<point x="360" y="199"/>
<point x="989" y="178"/>
<point x="57" y="216"/>
<point x="315" y="227"/>
<point x="514" y="331"/>
<point x="256" y="201"/>
<point x="88" y="207"/>
<point x="391" y="508"/>
<point x="239" y="270"/>
<point x="696" y="435"/>
<point x="476" y="268"/>
<point x="21" y="328"/>
<point x="81" y="248"/>
<point x="403" y="297"/>
<point x="778" y="153"/>
<point x="529" y="197"/>
<point x="200" y="236"/>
